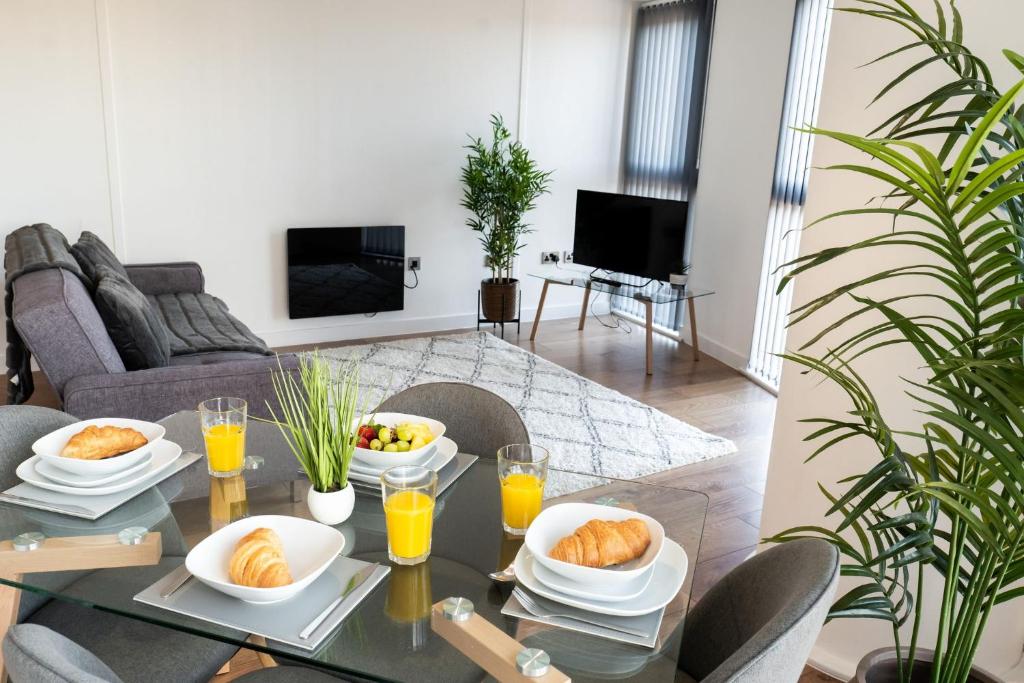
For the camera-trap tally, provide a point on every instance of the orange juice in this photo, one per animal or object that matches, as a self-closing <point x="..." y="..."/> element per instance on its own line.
<point x="521" y="495"/>
<point x="225" y="447"/>
<point x="410" y="517"/>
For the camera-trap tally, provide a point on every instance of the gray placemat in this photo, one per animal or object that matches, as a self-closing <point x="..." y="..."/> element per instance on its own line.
<point x="445" y="477"/>
<point x="281" y="621"/>
<point x="89" y="507"/>
<point x="648" y="623"/>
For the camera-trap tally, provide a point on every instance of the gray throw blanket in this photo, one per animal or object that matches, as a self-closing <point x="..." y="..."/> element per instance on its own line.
<point x="28" y="249"/>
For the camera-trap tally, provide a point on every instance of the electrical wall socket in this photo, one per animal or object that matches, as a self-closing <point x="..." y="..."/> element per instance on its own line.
<point x="413" y="262"/>
<point x="547" y="257"/>
<point x="567" y="257"/>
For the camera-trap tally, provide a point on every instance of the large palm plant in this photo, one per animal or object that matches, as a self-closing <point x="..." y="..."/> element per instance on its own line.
<point x="946" y="495"/>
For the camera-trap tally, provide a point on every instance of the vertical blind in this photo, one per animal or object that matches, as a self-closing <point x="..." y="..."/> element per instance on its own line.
<point x="665" y="103"/>
<point x="789" y="185"/>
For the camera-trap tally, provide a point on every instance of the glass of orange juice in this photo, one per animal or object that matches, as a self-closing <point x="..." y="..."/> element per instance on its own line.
<point x="409" y="493"/>
<point x="223" y="423"/>
<point x="522" y="471"/>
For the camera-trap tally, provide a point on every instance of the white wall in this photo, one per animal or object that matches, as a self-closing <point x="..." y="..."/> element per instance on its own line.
<point x="222" y="124"/>
<point x="791" y="495"/>
<point x="746" y="86"/>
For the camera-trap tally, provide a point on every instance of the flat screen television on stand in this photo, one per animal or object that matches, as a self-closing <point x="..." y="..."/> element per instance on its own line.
<point x="620" y="233"/>
<point x="341" y="271"/>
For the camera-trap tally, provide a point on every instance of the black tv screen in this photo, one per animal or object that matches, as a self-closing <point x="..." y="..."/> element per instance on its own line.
<point x="340" y="271"/>
<point x="632" y="235"/>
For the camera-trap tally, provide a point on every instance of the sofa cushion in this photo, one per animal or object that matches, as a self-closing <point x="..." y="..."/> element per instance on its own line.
<point x="199" y="323"/>
<point x="91" y="252"/>
<point x="136" y="329"/>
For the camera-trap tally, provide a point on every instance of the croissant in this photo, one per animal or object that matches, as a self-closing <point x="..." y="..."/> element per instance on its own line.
<point x="258" y="561"/>
<point x="99" y="443"/>
<point x="601" y="544"/>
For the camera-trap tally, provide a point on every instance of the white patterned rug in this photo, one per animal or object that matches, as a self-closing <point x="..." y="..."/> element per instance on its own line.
<point x="587" y="427"/>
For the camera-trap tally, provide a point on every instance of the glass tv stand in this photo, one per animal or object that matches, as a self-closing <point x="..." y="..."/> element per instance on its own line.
<point x="649" y="294"/>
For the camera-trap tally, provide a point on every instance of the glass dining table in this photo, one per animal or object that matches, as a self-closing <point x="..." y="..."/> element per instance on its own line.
<point x="388" y="637"/>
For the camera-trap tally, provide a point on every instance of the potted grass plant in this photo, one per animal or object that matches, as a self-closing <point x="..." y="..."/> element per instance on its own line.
<point x="501" y="183"/>
<point x="945" y="494"/>
<point x="319" y="417"/>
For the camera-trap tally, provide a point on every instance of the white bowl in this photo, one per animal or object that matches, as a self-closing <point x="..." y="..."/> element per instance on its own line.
<point x="49" y="447"/>
<point x="557" y="521"/>
<point x="309" y="548"/>
<point x="384" y="460"/>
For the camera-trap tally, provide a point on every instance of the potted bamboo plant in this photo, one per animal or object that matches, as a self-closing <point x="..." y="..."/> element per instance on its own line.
<point x="320" y="414"/>
<point x="501" y="183"/>
<point x="945" y="495"/>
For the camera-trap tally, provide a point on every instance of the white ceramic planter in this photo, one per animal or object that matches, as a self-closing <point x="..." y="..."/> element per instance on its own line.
<point x="333" y="507"/>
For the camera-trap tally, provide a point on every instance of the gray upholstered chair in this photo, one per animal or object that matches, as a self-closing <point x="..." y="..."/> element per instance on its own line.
<point x="129" y="647"/>
<point x="37" y="654"/>
<point x="760" y="621"/>
<point x="479" y="421"/>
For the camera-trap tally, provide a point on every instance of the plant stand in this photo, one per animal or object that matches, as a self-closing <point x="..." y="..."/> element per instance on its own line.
<point x="494" y="323"/>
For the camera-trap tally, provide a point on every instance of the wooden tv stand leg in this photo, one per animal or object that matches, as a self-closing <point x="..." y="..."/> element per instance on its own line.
<point x="649" y="320"/>
<point x="583" y="311"/>
<point x="693" y="329"/>
<point x="540" y="309"/>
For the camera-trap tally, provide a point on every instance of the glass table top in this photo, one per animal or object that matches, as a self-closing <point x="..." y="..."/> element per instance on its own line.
<point x="388" y="636"/>
<point x="655" y="292"/>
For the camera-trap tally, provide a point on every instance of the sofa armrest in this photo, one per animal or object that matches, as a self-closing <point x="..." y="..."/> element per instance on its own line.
<point x="158" y="392"/>
<point x="167" y="278"/>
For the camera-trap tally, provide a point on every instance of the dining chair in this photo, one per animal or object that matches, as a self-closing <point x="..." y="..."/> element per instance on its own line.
<point x="759" y="622"/>
<point x="36" y="654"/>
<point x="478" y="420"/>
<point x="137" y="651"/>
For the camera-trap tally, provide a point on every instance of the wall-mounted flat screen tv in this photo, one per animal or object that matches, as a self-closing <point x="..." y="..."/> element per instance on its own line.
<point x="622" y="233"/>
<point x="340" y="271"/>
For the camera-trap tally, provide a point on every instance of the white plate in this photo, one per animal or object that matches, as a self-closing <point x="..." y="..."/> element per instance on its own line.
<point x="59" y="476"/>
<point x="619" y="592"/>
<point x="164" y="453"/>
<point x="309" y="548"/>
<point x="50" y="446"/>
<point x="558" y="521"/>
<point x="668" y="576"/>
<point x="446" y="450"/>
<point x="384" y="460"/>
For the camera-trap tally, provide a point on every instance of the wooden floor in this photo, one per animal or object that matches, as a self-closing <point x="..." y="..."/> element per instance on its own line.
<point x="705" y="393"/>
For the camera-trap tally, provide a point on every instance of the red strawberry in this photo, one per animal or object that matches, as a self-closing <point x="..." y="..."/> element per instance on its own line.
<point x="363" y="442"/>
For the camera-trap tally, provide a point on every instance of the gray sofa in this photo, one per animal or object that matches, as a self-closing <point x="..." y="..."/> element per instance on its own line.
<point x="54" y="314"/>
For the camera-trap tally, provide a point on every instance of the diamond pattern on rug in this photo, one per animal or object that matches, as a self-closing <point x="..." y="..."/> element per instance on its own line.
<point x="588" y="427"/>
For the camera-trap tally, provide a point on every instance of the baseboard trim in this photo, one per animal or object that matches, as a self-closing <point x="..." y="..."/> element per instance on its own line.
<point x="719" y="352"/>
<point x="828" y="663"/>
<point x="390" y="324"/>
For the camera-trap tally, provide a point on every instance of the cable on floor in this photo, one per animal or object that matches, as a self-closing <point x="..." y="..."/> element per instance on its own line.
<point x="619" y="324"/>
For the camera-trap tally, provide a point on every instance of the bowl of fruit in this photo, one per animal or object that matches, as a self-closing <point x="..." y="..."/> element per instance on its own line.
<point x="389" y="439"/>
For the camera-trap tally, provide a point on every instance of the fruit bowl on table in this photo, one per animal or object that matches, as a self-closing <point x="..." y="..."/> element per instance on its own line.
<point x="49" y="447"/>
<point x="392" y="457"/>
<point x="309" y="548"/>
<point x="558" y="521"/>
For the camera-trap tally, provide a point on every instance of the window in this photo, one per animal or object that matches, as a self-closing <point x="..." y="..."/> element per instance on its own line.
<point x="665" y="102"/>
<point x="789" y="185"/>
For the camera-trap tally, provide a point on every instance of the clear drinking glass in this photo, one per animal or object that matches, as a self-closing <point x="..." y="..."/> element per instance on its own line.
<point x="522" y="471"/>
<point x="223" y="423"/>
<point x="409" y="492"/>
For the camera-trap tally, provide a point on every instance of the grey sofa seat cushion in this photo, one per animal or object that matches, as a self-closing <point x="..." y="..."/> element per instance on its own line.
<point x="38" y="654"/>
<point x="213" y="357"/>
<point x="91" y="252"/>
<point x="137" y="331"/>
<point x="58" y="321"/>
<point x="134" y="650"/>
<point x="201" y="323"/>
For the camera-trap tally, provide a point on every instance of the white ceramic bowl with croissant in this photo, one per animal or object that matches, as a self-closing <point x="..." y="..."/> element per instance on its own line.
<point x="49" y="447"/>
<point x="559" y="521"/>
<point x="309" y="549"/>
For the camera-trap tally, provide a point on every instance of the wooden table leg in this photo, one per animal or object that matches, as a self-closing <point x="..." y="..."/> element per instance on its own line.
<point x="649" y="320"/>
<point x="540" y="308"/>
<point x="10" y="600"/>
<point x="266" y="660"/>
<point x="583" y="311"/>
<point x="693" y="329"/>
